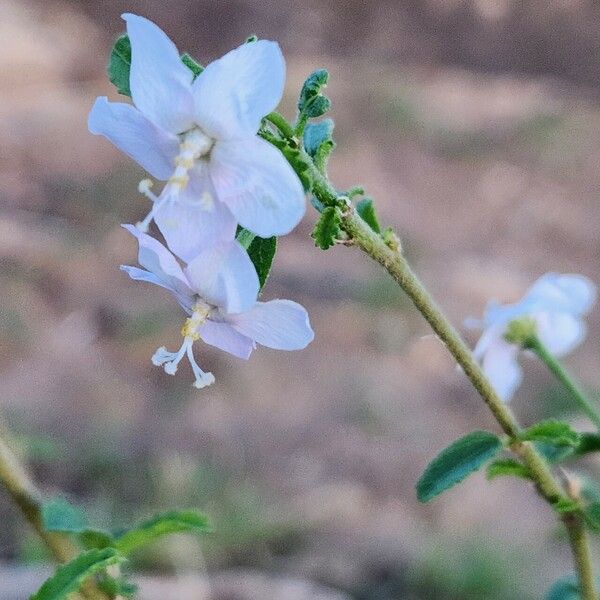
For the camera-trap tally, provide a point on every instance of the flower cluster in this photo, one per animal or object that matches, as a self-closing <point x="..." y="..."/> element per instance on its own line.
<point x="552" y="309"/>
<point x="199" y="135"/>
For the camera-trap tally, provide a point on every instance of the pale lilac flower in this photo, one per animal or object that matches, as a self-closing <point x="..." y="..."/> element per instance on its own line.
<point x="557" y="305"/>
<point x="201" y="137"/>
<point x="218" y="290"/>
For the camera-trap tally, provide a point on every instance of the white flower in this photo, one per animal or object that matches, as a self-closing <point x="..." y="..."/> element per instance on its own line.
<point x="200" y="136"/>
<point x="218" y="289"/>
<point x="557" y="305"/>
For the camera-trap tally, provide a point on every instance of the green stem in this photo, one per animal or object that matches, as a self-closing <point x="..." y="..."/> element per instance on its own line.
<point x="536" y="345"/>
<point x="391" y="259"/>
<point x="284" y="127"/>
<point x="29" y="500"/>
<point x="581" y="555"/>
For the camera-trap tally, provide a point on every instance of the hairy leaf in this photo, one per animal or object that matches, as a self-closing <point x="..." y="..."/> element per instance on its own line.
<point x="317" y="134"/>
<point x="552" y="431"/>
<point x="69" y="577"/>
<point x="463" y="457"/>
<point x="312" y="87"/>
<point x="327" y="229"/>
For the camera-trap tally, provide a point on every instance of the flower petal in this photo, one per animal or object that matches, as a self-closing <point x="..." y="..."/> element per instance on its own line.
<point x="186" y="301"/>
<point x="278" y="324"/>
<point x="258" y="185"/>
<point x="571" y="293"/>
<point x="236" y="91"/>
<point x="161" y="85"/>
<point x="130" y="131"/>
<point x="560" y="332"/>
<point x="223" y="336"/>
<point x="192" y="219"/>
<point x="502" y="368"/>
<point x="224" y="276"/>
<point x="154" y="257"/>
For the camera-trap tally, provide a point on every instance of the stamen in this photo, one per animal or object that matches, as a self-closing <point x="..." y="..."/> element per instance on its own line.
<point x="144" y="188"/>
<point x="202" y="379"/>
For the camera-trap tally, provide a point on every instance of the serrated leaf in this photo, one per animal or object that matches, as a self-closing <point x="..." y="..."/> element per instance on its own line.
<point x="552" y="431"/>
<point x="69" y="577"/>
<point x="262" y="252"/>
<point x="366" y="210"/>
<point x="59" y="515"/>
<point x="312" y="87"/>
<point x="507" y="467"/>
<point x="591" y="514"/>
<point x="175" y="521"/>
<point x="195" y="67"/>
<point x="119" y="65"/>
<point x="327" y="229"/>
<point x="463" y="457"/>
<point x="316" y="134"/>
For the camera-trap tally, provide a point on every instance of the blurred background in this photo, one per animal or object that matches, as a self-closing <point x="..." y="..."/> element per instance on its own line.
<point x="476" y="126"/>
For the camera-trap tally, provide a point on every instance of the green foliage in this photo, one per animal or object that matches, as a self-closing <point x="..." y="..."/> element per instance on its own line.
<point x="366" y="210"/>
<point x="463" y="457"/>
<point x="296" y="159"/>
<point x="327" y="229"/>
<point x="311" y="102"/>
<point x="553" y="432"/>
<point x="261" y="252"/>
<point x="195" y="67"/>
<point x="59" y="515"/>
<point x="588" y="442"/>
<point x="566" y="588"/>
<point x="117" y="587"/>
<point x="566" y="505"/>
<point x="591" y="515"/>
<point x="175" y="521"/>
<point x="69" y="577"/>
<point x="318" y="134"/>
<point x="506" y="467"/>
<point x="95" y="538"/>
<point x="119" y="65"/>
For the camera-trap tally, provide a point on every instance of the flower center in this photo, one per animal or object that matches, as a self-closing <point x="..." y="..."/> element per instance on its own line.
<point x="194" y="145"/>
<point x="170" y="360"/>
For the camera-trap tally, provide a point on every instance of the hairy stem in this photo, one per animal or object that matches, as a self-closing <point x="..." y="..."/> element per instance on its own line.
<point x="581" y="554"/>
<point x="535" y="344"/>
<point x="391" y="259"/>
<point x="26" y="496"/>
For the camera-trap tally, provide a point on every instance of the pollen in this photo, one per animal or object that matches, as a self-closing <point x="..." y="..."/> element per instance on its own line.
<point x="179" y="180"/>
<point x="189" y="329"/>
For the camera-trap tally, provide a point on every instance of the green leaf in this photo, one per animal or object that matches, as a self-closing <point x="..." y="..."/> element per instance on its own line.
<point x="244" y="237"/>
<point x="552" y="431"/>
<point x="327" y="229"/>
<point x="317" y="107"/>
<point x="463" y="457"/>
<point x="262" y="252"/>
<point x="251" y="38"/>
<point x="59" y="515"/>
<point x="317" y="134"/>
<point x="119" y="65"/>
<point x="552" y="452"/>
<point x="95" y="538"/>
<point x="588" y="442"/>
<point x="312" y="87"/>
<point x="505" y="467"/>
<point x="566" y="505"/>
<point x="176" y="521"/>
<point x="591" y="513"/>
<point x="366" y="210"/>
<point x="566" y="588"/>
<point x="195" y="67"/>
<point x="117" y="587"/>
<point x="69" y="577"/>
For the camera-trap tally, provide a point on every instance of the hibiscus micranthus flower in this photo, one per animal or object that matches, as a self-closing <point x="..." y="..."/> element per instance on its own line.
<point x="200" y="136"/>
<point x="556" y="305"/>
<point x="218" y="290"/>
